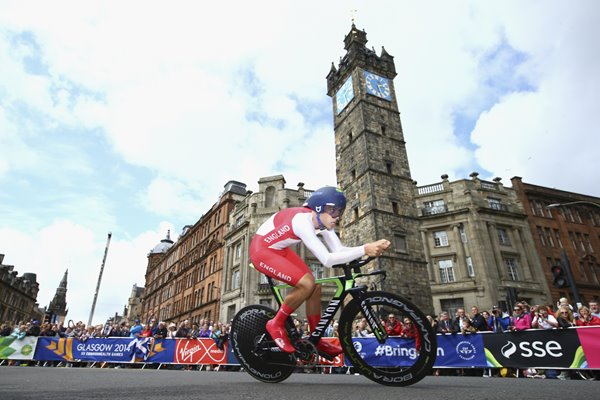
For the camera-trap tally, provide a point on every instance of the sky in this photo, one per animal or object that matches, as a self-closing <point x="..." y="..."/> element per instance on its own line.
<point x="130" y="117"/>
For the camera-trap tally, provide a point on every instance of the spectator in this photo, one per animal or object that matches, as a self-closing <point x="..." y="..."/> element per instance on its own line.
<point x="393" y="327"/>
<point x="20" y="331"/>
<point x="432" y="321"/>
<point x="171" y="331"/>
<point x="586" y="318"/>
<point x="478" y="321"/>
<point x="444" y="324"/>
<point x="136" y="330"/>
<point x="467" y="327"/>
<point x="195" y="331"/>
<point x="458" y="321"/>
<point x="161" y="331"/>
<point x="564" y="316"/>
<point x="6" y="329"/>
<point x="543" y="319"/>
<point x="520" y="320"/>
<point x="498" y="321"/>
<point x="182" y="330"/>
<point x="219" y="335"/>
<point x="205" y="331"/>
<point x="34" y="328"/>
<point x="360" y="329"/>
<point x="486" y="316"/>
<point x="46" y="330"/>
<point x="563" y="301"/>
<point x="410" y="331"/>
<point x="594" y="309"/>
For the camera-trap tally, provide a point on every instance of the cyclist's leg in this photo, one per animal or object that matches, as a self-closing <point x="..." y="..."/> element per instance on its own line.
<point x="313" y="314"/>
<point x="286" y="266"/>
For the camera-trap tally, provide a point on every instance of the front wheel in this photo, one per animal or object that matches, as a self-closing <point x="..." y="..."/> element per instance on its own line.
<point x="392" y="360"/>
<point x="254" y="348"/>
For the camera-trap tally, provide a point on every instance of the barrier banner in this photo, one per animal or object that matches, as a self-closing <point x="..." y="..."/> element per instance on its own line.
<point x="457" y="350"/>
<point x="17" y="349"/>
<point x="200" y="351"/>
<point x="117" y="350"/>
<point x="590" y="342"/>
<point x="396" y="352"/>
<point x="555" y="348"/>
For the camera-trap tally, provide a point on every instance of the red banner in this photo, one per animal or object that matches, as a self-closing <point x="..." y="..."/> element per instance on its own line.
<point x="199" y="351"/>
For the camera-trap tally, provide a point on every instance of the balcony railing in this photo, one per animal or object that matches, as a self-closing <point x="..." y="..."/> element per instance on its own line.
<point x="437" y="187"/>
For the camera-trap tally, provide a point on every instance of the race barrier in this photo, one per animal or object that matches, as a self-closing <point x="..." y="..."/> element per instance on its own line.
<point x="575" y="348"/>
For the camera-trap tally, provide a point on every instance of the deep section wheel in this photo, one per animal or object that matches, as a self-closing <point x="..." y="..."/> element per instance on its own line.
<point x="254" y="348"/>
<point x="395" y="360"/>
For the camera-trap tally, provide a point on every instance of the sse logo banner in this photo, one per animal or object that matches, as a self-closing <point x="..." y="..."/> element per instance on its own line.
<point x="556" y="348"/>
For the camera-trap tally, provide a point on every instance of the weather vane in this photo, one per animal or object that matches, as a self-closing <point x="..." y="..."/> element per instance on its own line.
<point x="353" y="13"/>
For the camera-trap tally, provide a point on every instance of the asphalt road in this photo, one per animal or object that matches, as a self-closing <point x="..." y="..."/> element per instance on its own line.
<point x="117" y="384"/>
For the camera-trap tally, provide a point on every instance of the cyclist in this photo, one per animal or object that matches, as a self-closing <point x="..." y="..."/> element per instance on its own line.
<point x="271" y="254"/>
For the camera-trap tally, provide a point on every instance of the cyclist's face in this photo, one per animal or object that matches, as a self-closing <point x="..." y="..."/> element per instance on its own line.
<point x="334" y="212"/>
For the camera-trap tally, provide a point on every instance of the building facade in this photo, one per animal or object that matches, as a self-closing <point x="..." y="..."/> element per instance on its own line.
<point x="183" y="279"/>
<point x="18" y="294"/>
<point x="133" y="310"/>
<point x="478" y="245"/>
<point x="372" y="166"/>
<point x="568" y="232"/>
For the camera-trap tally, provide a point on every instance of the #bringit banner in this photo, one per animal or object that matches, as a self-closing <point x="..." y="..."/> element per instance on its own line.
<point x="554" y="348"/>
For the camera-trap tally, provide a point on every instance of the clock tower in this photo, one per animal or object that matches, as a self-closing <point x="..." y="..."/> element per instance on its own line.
<point x="372" y="167"/>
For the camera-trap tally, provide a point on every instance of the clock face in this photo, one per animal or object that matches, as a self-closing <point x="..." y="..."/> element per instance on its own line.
<point x="378" y="86"/>
<point x="344" y="95"/>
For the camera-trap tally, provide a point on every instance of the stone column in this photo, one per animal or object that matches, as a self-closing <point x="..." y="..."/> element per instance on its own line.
<point x="460" y="251"/>
<point x="433" y="277"/>
<point x="493" y="233"/>
<point x="525" y="259"/>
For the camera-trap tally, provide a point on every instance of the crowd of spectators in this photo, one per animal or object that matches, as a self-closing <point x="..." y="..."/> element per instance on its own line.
<point x="495" y="320"/>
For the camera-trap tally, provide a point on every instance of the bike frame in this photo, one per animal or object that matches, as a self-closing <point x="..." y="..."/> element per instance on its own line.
<point x="345" y="284"/>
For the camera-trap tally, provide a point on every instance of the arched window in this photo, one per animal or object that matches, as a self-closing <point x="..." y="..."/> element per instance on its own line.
<point x="269" y="196"/>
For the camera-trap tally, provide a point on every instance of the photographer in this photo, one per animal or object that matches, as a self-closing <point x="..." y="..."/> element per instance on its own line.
<point x="543" y="319"/>
<point x="498" y="320"/>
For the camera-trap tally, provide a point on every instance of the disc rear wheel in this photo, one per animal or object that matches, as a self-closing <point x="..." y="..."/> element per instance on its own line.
<point x="254" y="348"/>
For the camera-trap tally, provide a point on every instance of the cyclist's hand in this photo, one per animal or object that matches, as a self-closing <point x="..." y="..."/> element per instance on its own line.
<point x="375" y="249"/>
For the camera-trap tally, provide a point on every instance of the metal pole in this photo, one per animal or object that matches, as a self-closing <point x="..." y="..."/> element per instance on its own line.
<point x="572" y="284"/>
<point x="99" y="279"/>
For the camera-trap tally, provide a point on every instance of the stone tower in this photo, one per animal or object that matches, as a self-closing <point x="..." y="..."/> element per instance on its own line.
<point x="57" y="310"/>
<point x="372" y="166"/>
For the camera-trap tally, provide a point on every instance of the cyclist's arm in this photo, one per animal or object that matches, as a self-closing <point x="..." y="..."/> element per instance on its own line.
<point x="303" y="228"/>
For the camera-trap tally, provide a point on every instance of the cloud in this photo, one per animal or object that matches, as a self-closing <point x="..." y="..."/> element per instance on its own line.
<point x="66" y="245"/>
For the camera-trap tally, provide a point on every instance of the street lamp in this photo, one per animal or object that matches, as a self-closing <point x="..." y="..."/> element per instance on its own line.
<point x="555" y="205"/>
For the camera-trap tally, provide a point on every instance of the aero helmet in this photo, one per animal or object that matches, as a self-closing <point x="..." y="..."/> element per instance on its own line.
<point x="326" y="196"/>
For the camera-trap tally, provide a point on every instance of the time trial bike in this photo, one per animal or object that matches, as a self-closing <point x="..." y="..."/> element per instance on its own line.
<point x="385" y="359"/>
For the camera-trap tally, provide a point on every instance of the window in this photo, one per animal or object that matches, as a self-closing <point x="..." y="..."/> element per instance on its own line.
<point x="549" y="237"/>
<point x="317" y="270"/>
<point x="557" y="236"/>
<point x="580" y="240"/>
<point x="463" y="234"/>
<point x="440" y="238"/>
<point x="541" y="235"/>
<point x="230" y="312"/>
<point x="238" y="251"/>
<point x="353" y="174"/>
<point x="537" y="208"/>
<point x="400" y="243"/>
<point x="355" y="213"/>
<point x="263" y="279"/>
<point x="394" y="207"/>
<point x="434" y="207"/>
<point x="503" y="237"/>
<point x="589" y="244"/>
<point x="511" y="268"/>
<point x="495" y="204"/>
<point x="470" y="267"/>
<point x="388" y="167"/>
<point x="350" y="136"/>
<point x="446" y="271"/>
<point x="235" y="279"/>
<point x="269" y="196"/>
<point x="383" y="130"/>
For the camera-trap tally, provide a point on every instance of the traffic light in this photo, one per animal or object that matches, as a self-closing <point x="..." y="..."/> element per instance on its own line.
<point x="559" y="276"/>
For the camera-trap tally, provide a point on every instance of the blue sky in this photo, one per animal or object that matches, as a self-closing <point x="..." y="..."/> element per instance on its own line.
<point x="108" y="120"/>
